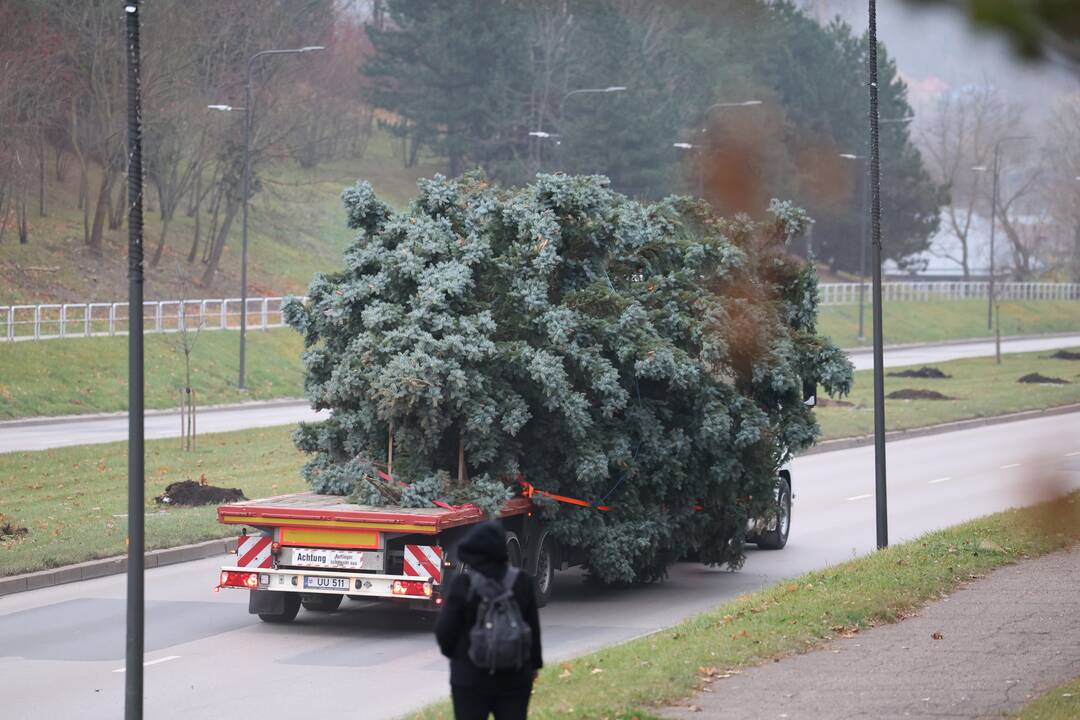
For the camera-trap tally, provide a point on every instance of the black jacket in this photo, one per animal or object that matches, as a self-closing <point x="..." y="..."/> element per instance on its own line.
<point x="484" y="550"/>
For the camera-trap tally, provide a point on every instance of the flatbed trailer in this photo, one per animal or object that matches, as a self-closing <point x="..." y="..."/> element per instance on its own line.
<point x="312" y="550"/>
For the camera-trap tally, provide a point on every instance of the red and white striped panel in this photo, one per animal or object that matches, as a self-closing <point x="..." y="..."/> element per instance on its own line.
<point x="253" y="551"/>
<point x="424" y="561"/>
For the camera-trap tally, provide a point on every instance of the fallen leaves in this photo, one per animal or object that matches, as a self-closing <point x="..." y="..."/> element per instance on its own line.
<point x="938" y="635"/>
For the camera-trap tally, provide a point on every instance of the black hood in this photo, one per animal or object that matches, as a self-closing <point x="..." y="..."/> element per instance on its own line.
<point x="484" y="549"/>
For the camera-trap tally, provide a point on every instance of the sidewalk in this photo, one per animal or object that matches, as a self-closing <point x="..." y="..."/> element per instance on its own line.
<point x="980" y="653"/>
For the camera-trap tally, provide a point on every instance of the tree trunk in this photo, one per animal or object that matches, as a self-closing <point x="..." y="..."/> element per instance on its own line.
<point x="198" y="220"/>
<point x="60" y="167"/>
<point x="41" y="175"/>
<point x="211" y="236"/>
<point x="20" y="218"/>
<point x="161" y="243"/>
<point x="104" y="192"/>
<point x="219" y="243"/>
<point x="117" y="212"/>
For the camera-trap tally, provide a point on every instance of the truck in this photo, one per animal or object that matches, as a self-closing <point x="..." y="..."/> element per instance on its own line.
<point x="312" y="551"/>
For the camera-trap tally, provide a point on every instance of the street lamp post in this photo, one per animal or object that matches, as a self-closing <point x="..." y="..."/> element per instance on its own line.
<point x="247" y="189"/>
<point x="861" y="160"/>
<point x="993" y="221"/>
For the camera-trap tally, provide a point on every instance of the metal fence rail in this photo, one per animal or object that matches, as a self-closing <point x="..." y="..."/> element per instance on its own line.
<point x="54" y="320"/>
<point x="848" y="293"/>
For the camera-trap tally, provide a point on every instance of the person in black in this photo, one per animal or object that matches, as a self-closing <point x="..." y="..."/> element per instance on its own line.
<point x="477" y="692"/>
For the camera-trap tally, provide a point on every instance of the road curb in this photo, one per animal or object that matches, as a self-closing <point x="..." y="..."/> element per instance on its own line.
<point x="112" y="566"/>
<point x="970" y="424"/>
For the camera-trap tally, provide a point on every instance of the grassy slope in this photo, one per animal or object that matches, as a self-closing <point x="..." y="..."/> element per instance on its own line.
<point x="70" y="498"/>
<point x="909" y="322"/>
<point x="296" y="228"/>
<point x="981" y="387"/>
<point x="79" y="375"/>
<point x="1061" y="703"/>
<point x="792" y="617"/>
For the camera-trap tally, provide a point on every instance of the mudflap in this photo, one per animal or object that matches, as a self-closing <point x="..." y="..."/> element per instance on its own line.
<point x="265" y="601"/>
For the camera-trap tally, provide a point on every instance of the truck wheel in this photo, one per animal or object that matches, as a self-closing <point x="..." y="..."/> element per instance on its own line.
<point x="513" y="549"/>
<point x="775" y="535"/>
<point x="288" y="613"/>
<point x="321" y="603"/>
<point x="544" y="571"/>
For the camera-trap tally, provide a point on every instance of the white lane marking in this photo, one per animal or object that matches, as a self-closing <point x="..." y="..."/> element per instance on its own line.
<point x="148" y="663"/>
<point x="1072" y="454"/>
<point x="1010" y="465"/>
<point x="939" y="480"/>
<point x="861" y="497"/>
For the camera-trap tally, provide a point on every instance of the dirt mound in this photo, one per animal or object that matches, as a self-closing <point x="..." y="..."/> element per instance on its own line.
<point x="189" y="493"/>
<point x="829" y="402"/>
<point x="1066" y="355"/>
<point x="923" y="372"/>
<point x="1037" y="379"/>
<point x="913" y="394"/>
<point x="10" y="532"/>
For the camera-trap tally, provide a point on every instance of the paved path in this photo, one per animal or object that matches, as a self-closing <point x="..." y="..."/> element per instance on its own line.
<point x="1003" y="640"/>
<point x="211" y="659"/>
<point x="43" y="433"/>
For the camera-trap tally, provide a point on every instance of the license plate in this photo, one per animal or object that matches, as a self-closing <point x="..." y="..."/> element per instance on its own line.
<point x="339" y="559"/>
<point x="326" y="583"/>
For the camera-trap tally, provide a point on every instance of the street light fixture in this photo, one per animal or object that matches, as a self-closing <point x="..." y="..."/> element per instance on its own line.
<point x="247" y="186"/>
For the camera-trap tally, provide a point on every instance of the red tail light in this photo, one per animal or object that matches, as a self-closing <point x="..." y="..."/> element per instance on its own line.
<point x="415" y="588"/>
<point x="248" y="580"/>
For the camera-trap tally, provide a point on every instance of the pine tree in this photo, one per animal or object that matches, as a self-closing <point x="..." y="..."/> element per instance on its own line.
<point x="649" y="357"/>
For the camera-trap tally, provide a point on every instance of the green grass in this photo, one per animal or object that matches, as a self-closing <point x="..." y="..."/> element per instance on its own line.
<point x="982" y="388"/>
<point x="81" y="375"/>
<point x="914" y="322"/>
<point x="74" y="499"/>
<point x="627" y="680"/>
<point x="1061" y="703"/>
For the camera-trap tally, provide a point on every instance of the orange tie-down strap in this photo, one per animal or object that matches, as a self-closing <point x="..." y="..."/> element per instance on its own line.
<point x="527" y="490"/>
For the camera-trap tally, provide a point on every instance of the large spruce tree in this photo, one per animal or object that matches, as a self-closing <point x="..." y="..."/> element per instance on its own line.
<point x="649" y="357"/>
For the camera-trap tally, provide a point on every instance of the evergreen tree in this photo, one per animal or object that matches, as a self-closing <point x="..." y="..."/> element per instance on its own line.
<point x="649" y="357"/>
<point x="456" y="72"/>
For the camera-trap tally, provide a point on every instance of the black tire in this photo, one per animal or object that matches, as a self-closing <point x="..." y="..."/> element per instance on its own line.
<point x="544" y="570"/>
<point x="513" y="549"/>
<point x="292" y="607"/>
<point x="775" y="535"/>
<point x="321" y="603"/>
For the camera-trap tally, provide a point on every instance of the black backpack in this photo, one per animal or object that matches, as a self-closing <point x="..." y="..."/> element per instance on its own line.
<point x="500" y="639"/>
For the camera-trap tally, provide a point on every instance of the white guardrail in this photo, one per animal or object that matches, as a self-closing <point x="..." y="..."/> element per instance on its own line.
<point x="848" y="293"/>
<point x="51" y="321"/>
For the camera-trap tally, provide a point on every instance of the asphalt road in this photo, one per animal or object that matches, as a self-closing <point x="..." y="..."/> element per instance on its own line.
<point x="44" y="433"/>
<point x="928" y="354"/>
<point x="61" y="649"/>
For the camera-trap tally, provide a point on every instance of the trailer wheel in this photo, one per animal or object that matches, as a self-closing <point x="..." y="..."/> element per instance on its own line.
<point x="544" y="570"/>
<point x="775" y="535"/>
<point x="513" y="549"/>
<point x="289" y="610"/>
<point x="321" y="603"/>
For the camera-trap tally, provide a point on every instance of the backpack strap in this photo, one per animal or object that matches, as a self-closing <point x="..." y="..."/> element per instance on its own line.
<point x="510" y="577"/>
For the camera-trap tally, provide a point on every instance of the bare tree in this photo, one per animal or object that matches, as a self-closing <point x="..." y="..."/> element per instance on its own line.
<point x="1062" y="182"/>
<point x="960" y="136"/>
